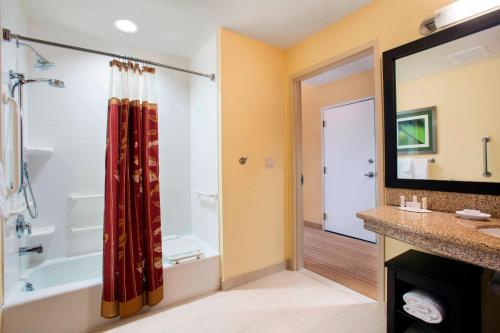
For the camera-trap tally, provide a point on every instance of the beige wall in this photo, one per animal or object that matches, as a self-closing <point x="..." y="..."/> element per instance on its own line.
<point x="468" y="103"/>
<point x="387" y="23"/>
<point x="313" y="99"/>
<point x="252" y="101"/>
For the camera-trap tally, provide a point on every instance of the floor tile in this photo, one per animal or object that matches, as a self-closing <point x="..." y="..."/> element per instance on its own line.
<point x="368" y="318"/>
<point x="192" y="327"/>
<point x="284" y="302"/>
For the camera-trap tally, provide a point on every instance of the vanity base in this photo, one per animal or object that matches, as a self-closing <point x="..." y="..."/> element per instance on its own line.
<point x="456" y="284"/>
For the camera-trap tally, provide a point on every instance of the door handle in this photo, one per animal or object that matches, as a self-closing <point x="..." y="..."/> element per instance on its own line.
<point x="370" y="174"/>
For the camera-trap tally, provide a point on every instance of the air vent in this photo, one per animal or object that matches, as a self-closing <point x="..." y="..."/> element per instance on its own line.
<point x="469" y="55"/>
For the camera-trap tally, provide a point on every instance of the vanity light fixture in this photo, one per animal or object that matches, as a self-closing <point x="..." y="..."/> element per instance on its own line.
<point x="457" y="11"/>
<point x="126" y="26"/>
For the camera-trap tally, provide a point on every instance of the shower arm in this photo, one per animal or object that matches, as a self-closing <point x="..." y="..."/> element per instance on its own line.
<point x="27" y="45"/>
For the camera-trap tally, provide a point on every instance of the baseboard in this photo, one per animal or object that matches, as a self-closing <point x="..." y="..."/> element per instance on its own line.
<point x="313" y="225"/>
<point x="252" y="276"/>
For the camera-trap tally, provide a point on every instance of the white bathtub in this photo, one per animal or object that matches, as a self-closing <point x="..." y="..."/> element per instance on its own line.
<point x="67" y="291"/>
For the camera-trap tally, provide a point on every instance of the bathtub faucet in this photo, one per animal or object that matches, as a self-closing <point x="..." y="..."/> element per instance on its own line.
<point x="21" y="226"/>
<point x="30" y="249"/>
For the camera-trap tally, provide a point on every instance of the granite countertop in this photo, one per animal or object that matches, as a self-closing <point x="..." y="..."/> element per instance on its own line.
<point x="442" y="233"/>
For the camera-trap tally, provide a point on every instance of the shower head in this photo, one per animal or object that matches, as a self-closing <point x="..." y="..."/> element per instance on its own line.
<point x="52" y="82"/>
<point x="41" y="63"/>
<point x="56" y="83"/>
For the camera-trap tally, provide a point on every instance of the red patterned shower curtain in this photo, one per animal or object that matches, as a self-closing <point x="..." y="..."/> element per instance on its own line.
<point x="132" y="252"/>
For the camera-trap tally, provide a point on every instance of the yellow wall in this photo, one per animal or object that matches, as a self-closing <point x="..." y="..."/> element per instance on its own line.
<point x="313" y="99"/>
<point x="467" y="101"/>
<point x="253" y="95"/>
<point x="388" y="22"/>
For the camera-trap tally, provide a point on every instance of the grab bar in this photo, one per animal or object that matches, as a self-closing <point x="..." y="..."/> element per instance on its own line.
<point x="206" y="194"/>
<point x="485" y="140"/>
<point x="75" y="230"/>
<point x="15" y="128"/>
<point x="177" y="258"/>
<point x="74" y="196"/>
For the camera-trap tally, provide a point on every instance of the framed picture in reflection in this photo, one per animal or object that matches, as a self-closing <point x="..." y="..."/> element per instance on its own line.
<point x="417" y="131"/>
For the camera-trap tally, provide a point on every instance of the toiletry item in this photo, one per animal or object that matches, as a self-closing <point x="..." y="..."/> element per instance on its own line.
<point x="414" y="205"/>
<point x="424" y="203"/>
<point x="402" y="201"/>
<point x="415" y="198"/>
<point x="472" y="214"/>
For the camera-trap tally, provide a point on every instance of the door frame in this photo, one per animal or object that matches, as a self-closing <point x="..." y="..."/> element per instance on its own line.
<point x="326" y="108"/>
<point x="296" y="204"/>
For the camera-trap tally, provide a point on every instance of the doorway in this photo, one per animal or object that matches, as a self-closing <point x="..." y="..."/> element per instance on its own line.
<point x="338" y="165"/>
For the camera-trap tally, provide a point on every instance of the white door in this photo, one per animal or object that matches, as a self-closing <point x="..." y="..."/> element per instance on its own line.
<point x="349" y="160"/>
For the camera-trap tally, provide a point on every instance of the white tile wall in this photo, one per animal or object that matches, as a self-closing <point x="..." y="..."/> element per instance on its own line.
<point x="72" y="121"/>
<point x="204" y="145"/>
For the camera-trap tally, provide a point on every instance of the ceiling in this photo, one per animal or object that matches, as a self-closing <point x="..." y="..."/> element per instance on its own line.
<point x="441" y="58"/>
<point x="180" y="27"/>
<point x="337" y="73"/>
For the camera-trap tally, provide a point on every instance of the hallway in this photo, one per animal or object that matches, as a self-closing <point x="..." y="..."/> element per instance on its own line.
<point x="348" y="261"/>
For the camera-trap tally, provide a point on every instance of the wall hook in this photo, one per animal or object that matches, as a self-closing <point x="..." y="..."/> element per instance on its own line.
<point x="243" y="160"/>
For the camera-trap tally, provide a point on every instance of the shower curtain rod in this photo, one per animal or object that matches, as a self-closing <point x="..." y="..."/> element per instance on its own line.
<point x="8" y="36"/>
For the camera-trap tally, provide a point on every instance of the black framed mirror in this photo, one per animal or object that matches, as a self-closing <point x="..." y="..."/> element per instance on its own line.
<point x="442" y="110"/>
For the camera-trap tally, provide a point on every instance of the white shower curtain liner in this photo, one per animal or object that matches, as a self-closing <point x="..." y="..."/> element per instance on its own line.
<point x="133" y="84"/>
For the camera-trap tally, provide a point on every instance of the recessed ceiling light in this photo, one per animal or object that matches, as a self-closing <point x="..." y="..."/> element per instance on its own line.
<point x="126" y="26"/>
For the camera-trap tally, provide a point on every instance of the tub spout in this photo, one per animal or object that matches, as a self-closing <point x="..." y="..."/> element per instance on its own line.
<point x="32" y="249"/>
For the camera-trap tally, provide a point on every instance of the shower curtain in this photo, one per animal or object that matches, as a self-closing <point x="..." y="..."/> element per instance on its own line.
<point x="132" y="250"/>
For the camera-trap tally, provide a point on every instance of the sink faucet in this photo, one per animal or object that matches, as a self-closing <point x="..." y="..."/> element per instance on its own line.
<point x="22" y="225"/>
<point x="30" y="249"/>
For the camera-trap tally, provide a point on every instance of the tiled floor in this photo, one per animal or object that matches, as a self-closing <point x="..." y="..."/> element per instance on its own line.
<point x="284" y="302"/>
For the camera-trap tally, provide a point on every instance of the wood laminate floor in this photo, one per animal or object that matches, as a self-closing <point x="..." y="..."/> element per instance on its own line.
<point x="350" y="262"/>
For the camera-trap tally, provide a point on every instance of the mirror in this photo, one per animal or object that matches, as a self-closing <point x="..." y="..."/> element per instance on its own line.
<point x="448" y="104"/>
<point x="442" y="109"/>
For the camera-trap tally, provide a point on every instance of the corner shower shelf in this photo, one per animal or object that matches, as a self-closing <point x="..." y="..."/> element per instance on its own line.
<point x="40" y="152"/>
<point x="40" y="235"/>
<point x="41" y="231"/>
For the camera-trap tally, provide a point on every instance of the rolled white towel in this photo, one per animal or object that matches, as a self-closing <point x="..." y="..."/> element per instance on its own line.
<point x="431" y="318"/>
<point x="424" y="306"/>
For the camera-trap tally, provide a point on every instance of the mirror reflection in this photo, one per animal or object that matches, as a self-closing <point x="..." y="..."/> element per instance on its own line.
<point x="448" y="110"/>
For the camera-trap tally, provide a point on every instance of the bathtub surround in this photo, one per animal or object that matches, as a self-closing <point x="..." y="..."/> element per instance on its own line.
<point x="71" y="126"/>
<point x="18" y="59"/>
<point x="132" y="242"/>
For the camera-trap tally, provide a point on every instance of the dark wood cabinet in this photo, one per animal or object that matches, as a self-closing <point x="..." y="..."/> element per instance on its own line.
<point x="456" y="284"/>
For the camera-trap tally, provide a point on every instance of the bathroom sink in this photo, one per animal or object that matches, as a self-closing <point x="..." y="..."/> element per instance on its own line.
<point x="495" y="232"/>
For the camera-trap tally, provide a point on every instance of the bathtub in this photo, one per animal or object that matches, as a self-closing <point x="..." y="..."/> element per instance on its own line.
<point x="67" y="291"/>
